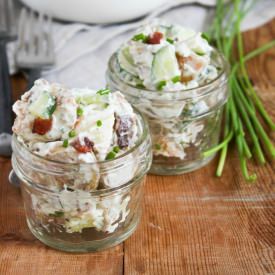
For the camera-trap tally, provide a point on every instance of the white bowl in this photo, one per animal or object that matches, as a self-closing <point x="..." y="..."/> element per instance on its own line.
<point x="95" y="11"/>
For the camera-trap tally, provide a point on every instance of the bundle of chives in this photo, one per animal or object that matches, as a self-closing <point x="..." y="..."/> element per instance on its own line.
<point x="241" y="116"/>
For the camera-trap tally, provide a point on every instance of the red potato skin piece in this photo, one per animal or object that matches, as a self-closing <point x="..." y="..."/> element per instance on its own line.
<point x="122" y="127"/>
<point x="155" y="38"/>
<point x="181" y="61"/>
<point x="41" y="126"/>
<point x="88" y="147"/>
<point x="186" y="79"/>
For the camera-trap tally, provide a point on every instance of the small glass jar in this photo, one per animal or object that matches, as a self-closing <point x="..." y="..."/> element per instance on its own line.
<point x="78" y="219"/>
<point x="183" y="124"/>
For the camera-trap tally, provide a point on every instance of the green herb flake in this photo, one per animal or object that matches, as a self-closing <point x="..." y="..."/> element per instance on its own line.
<point x="111" y="155"/>
<point x="116" y="149"/>
<point x="176" y="79"/>
<point x="205" y="36"/>
<point x="52" y="106"/>
<point x="79" y="111"/>
<point x="103" y="92"/>
<point x="140" y="86"/>
<point x="72" y="133"/>
<point x="65" y="143"/>
<point x="160" y="85"/>
<point x="99" y="123"/>
<point x="140" y="37"/>
<point x="57" y="214"/>
<point x="199" y="53"/>
<point x="157" y="146"/>
<point x="170" y="40"/>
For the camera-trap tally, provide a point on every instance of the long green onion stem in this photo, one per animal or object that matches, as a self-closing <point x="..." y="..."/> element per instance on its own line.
<point x="241" y="116"/>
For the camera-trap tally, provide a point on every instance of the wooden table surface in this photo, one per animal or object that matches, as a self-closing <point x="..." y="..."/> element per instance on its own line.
<point x="191" y="224"/>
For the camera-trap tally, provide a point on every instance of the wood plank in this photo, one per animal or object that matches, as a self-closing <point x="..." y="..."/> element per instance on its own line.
<point x="198" y="224"/>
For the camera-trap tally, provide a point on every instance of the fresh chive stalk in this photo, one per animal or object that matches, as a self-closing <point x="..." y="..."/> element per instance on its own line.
<point x="244" y="107"/>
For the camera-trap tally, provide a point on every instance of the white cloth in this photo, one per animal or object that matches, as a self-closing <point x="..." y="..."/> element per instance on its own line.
<point x="82" y="51"/>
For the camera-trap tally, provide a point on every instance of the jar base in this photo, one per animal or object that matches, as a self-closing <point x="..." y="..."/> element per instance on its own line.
<point x="86" y="246"/>
<point x="165" y="169"/>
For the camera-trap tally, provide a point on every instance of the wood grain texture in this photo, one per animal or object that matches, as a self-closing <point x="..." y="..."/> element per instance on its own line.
<point x="191" y="224"/>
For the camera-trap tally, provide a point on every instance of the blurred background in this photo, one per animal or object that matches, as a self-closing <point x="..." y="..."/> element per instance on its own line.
<point x="86" y="32"/>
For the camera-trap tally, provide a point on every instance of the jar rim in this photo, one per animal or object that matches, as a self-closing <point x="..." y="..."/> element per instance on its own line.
<point x="141" y="139"/>
<point x="224" y="72"/>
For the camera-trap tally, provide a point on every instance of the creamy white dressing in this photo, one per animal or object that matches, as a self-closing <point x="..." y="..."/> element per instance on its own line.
<point x="95" y="123"/>
<point x="175" y="141"/>
<point x="185" y="43"/>
<point x="102" y="214"/>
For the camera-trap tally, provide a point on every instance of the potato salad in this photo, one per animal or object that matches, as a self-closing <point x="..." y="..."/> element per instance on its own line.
<point x="86" y="128"/>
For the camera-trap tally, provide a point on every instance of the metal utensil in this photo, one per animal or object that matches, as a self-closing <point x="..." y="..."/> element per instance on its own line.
<point x="35" y="49"/>
<point x="7" y="33"/>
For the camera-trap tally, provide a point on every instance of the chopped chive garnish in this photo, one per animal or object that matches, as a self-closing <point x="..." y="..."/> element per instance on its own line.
<point x="199" y="53"/>
<point x="103" y="92"/>
<point x="79" y="111"/>
<point x="57" y="214"/>
<point x="176" y="79"/>
<point x="111" y="155"/>
<point x="65" y="143"/>
<point x="72" y="134"/>
<point x="205" y="36"/>
<point x="140" y="86"/>
<point x="52" y="107"/>
<point x="170" y="40"/>
<point x="157" y="146"/>
<point x="140" y="37"/>
<point x="160" y="85"/>
<point x="116" y="149"/>
<point x="99" y="123"/>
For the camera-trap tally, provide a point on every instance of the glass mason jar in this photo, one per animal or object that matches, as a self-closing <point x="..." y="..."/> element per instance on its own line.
<point x="183" y="124"/>
<point x="78" y="219"/>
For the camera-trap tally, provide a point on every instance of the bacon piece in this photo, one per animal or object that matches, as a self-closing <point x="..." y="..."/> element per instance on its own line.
<point x="41" y="126"/>
<point x="83" y="148"/>
<point x="181" y="60"/>
<point x="155" y="38"/>
<point x="186" y="78"/>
